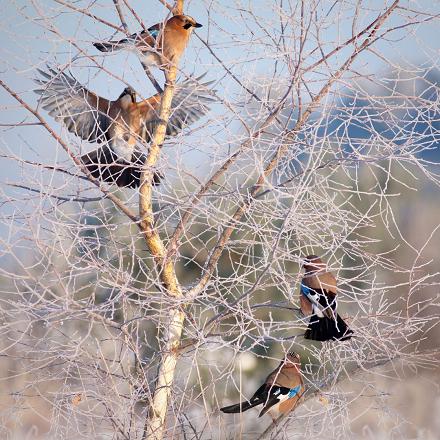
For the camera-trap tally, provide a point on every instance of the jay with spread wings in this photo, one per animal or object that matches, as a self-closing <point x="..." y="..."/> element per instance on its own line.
<point x="160" y="45"/>
<point x="118" y="125"/>
<point x="279" y="393"/>
<point x="318" y="300"/>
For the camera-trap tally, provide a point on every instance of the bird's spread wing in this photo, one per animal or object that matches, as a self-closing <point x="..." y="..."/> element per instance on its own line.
<point x="323" y="301"/>
<point x="84" y="113"/>
<point x="190" y="103"/>
<point x="276" y="394"/>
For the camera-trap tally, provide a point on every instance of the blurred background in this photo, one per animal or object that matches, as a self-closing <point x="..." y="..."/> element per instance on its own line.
<point x="81" y="312"/>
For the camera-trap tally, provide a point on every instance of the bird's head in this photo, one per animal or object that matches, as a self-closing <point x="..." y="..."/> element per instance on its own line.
<point x="313" y="263"/>
<point x="127" y="97"/>
<point x="130" y="92"/>
<point x="292" y="360"/>
<point x="184" y="21"/>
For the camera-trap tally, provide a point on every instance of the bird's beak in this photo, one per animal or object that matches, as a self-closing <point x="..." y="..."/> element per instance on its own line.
<point x="197" y="25"/>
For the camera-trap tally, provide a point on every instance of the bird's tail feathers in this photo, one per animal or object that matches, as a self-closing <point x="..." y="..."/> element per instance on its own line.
<point x="111" y="45"/>
<point x="104" y="165"/>
<point x="239" y="407"/>
<point x="328" y="329"/>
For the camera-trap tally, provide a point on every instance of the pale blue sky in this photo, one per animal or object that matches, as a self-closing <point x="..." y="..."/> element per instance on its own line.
<point x="238" y="42"/>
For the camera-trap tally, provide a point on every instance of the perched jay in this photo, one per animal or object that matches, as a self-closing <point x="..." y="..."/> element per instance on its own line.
<point x="161" y="44"/>
<point x="280" y="392"/>
<point x="120" y="124"/>
<point x="318" y="300"/>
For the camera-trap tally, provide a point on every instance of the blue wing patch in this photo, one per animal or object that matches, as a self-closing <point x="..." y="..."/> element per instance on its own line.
<point x="294" y="391"/>
<point x="313" y="296"/>
<point x="305" y="290"/>
<point x="153" y="32"/>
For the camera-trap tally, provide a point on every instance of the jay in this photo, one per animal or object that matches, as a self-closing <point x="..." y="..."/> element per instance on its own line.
<point x="318" y="300"/>
<point x="118" y="125"/>
<point x="161" y="45"/>
<point x="279" y="393"/>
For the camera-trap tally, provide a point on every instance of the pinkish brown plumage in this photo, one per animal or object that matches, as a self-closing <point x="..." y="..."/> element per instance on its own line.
<point x="118" y="125"/>
<point x="318" y="300"/>
<point x="279" y="393"/>
<point x="161" y="45"/>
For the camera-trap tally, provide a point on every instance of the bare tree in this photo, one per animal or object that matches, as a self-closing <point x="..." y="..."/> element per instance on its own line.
<point x="137" y="314"/>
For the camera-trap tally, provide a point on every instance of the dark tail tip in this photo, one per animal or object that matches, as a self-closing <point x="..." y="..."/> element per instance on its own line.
<point x="105" y="166"/>
<point x="104" y="47"/>
<point x="237" y="408"/>
<point x="133" y="177"/>
<point x="327" y="329"/>
<point x="230" y="409"/>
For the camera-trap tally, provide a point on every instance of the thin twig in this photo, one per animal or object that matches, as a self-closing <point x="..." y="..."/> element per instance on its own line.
<point x="88" y="14"/>
<point x="61" y="198"/>
<point x="152" y="78"/>
<point x="121" y="15"/>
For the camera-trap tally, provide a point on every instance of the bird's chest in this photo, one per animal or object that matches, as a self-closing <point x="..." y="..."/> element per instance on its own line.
<point x="174" y="44"/>
<point x="123" y="148"/>
<point x="306" y="305"/>
<point x="123" y="138"/>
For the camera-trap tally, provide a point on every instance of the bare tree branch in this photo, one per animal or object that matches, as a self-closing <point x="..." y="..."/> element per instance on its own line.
<point x="229" y="229"/>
